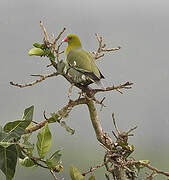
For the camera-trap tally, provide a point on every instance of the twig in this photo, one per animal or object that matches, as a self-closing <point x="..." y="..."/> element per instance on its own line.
<point x="70" y="90"/>
<point x="91" y="92"/>
<point x="34" y="159"/>
<point x="57" y="50"/>
<point x="150" y="176"/>
<point x="126" y="85"/>
<point x="66" y="109"/>
<point x="93" y="169"/>
<point x="53" y="174"/>
<point x="35" y="122"/>
<point x="42" y="78"/>
<point x="36" y="127"/>
<point x="112" y="49"/>
<point x="107" y="177"/>
<point x="45" y="33"/>
<point x="132" y="129"/>
<point x="114" y="122"/>
<point x="58" y="37"/>
<point x="138" y="163"/>
<point x="101" y="48"/>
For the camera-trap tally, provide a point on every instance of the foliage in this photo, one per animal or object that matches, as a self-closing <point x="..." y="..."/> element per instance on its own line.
<point x="15" y="144"/>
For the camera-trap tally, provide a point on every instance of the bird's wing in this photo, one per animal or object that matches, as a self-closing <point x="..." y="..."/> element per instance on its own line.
<point x="83" y="62"/>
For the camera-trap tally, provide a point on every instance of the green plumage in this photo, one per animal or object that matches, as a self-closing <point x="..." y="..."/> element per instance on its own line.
<point x="82" y="67"/>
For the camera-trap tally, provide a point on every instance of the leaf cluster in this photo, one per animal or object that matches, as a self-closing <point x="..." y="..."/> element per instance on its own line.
<point x="16" y="145"/>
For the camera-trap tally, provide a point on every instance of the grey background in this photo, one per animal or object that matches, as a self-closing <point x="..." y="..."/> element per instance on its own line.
<point x="139" y="27"/>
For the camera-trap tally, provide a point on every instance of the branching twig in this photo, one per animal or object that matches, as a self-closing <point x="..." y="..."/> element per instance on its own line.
<point x="93" y="169"/>
<point x="66" y="109"/>
<point x="138" y="163"/>
<point x="132" y="129"/>
<point x="101" y="48"/>
<point x="53" y="174"/>
<point x="42" y="78"/>
<point x="57" y="50"/>
<point x="126" y="85"/>
<point x="34" y="159"/>
<point x="58" y="37"/>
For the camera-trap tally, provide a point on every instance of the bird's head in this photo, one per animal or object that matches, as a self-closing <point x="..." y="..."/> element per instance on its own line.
<point x="73" y="40"/>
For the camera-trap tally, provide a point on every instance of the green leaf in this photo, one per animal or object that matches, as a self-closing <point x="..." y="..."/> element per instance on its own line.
<point x="49" y="54"/>
<point x="44" y="141"/>
<point x="54" y="160"/>
<point x="56" y="156"/>
<point x="54" y="117"/>
<point x="68" y="129"/>
<point x="37" y="45"/>
<point x="36" y="52"/>
<point x="3" y="135"/>
<point x="8" y="160"/>
<point x="28" y="114"/>
<point x="16" y="128"/>
<point x="19" y="152"/>
<point x="92" y="178"/>
<point x="60" y="66"/>
<point x="5" y="144"/>
<point x="55" y="167"/>
<point x="75" y="173"/>
<point x="26" y="162"/>
<point x="63" y="113"/>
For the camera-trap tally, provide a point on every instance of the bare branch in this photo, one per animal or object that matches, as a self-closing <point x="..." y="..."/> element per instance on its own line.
<point x="114" y="122"/>
<point x="54" y="175"/>
<point x="101" y="48"/>
<point x="60" y="34"/>
<point x="36" y="127"/>
<point x="126" y="85"/>
<point x="42" y="78"/>
<point x="66" y="109"/>
<point x="45" y="33"/>
<point x="101" y="136"/>
<point x="93" y="169"/>
<point x="132" y="129"/>
<point x="54" y="45"/>
<point x="70" y="90"/>
<point x="112" y="49"/>
<point x="138" y="163"/>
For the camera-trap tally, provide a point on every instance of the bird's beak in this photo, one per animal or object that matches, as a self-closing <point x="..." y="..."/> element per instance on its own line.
<point x="65" y="40"/>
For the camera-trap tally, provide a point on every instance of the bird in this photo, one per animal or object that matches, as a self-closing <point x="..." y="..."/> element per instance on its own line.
<point x="80" y="63"/>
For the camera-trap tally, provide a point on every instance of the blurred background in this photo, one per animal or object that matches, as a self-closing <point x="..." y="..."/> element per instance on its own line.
<point x="139" y="27"/>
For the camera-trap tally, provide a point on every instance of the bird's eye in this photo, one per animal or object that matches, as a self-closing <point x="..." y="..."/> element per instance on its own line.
<point x="70" y="38"/>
